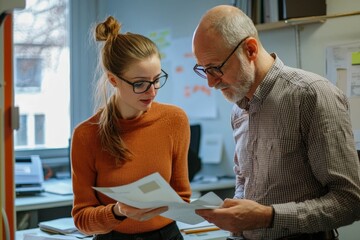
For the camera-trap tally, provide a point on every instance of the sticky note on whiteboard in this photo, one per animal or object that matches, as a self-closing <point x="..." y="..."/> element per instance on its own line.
<point x="355" y="58"/>
<point x="211" y="148"/>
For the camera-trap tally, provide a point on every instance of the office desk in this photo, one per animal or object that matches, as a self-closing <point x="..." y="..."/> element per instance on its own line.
<point x="224" y="188"/>
<point x="212" y="185"/>
<point x="50" y="200"/>
<point x="31" y="210"/>
<point x="42" y="201"/>
<point x="213" y="235"/>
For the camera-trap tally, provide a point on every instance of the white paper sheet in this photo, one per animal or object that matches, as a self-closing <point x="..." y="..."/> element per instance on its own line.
<point x="45" y="236"/>
<point x="211" y="148"/>
<point x="153" y="191"/>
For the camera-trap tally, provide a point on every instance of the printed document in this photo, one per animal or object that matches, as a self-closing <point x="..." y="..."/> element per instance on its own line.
<point x="153" y="191"/>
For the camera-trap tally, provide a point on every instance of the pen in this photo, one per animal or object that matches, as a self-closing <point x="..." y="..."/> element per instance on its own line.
<point x="200" y="230"/>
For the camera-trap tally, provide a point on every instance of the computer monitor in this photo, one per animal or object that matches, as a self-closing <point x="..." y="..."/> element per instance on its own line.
<point x="194" y="160"/>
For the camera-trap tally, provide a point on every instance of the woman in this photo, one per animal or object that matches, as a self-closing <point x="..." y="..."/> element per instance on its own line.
<point x="128" y="138"/>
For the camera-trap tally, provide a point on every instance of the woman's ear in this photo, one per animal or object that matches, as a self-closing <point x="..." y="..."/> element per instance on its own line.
<point x="112" y="79"/>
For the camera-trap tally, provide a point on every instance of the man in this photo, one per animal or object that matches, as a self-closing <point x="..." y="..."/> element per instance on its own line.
<point x="298" y="175"/>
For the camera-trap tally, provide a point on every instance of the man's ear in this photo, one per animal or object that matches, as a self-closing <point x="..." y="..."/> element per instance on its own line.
<point x="112" y="79"/>
<point x="251" y="48"/>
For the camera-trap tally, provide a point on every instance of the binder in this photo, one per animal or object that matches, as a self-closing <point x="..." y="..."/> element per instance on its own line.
<point x="304" y="8"/>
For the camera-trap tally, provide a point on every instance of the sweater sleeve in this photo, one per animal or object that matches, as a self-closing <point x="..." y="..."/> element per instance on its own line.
<point x="181" y="137"/>
<point x="90" y="216"/>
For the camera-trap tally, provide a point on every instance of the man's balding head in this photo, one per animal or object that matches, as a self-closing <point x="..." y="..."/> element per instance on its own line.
<point x="226" y="22"/>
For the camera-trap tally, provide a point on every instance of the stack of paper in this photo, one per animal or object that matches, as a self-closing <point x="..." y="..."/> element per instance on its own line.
<point x="61" y="187"/>
<point x="44" y="236"/>
<point x="63" y="226"/>
<point x="202" y="227"/>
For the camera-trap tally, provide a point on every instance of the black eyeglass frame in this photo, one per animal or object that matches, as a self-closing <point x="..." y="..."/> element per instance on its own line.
<point x="133" y="84"/>
<point x="215" y="71"/>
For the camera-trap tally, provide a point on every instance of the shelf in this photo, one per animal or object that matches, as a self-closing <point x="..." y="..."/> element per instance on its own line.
<point x="301" y="21"/>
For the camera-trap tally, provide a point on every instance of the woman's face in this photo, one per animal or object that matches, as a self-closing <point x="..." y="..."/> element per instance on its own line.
<point x="129" y="103"/>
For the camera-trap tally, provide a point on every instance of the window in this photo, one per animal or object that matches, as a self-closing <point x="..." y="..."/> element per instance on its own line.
<point x="42" y="75"/>
<point x="39" y="125"/>
<point x="21" y="138"/>
<point x="28" y="74"/>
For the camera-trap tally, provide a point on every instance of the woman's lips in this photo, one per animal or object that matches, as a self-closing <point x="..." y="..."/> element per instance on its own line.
<point x="146" y="101"/>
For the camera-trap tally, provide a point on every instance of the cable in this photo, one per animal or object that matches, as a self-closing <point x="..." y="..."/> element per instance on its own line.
<point x="6" y="224"/>
<point x="2" y="17"/>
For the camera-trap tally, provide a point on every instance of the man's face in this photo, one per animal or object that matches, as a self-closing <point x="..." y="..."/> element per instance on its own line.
<point x="235" y="73"/>
<point x="236" y="84"/>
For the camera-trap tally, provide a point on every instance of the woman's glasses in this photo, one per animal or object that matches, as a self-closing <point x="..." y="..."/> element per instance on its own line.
<point x="143" y="86"/>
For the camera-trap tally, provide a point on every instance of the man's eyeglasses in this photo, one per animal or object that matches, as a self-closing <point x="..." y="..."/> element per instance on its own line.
<point x="215" y="71"/>
<point x="143" y="86"/>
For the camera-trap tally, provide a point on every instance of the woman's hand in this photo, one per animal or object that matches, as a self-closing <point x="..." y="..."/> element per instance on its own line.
<point x="121" y="209"/>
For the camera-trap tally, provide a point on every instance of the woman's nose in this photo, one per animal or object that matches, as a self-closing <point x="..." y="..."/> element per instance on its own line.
<point x="152" y="90"/>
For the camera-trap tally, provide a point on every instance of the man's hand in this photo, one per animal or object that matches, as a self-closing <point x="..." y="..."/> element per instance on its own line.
<point x="237" y="215"/>
<point x="122" y="209"/>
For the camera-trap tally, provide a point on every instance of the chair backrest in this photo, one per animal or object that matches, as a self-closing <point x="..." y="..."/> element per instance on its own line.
<point x="194" y="160"/>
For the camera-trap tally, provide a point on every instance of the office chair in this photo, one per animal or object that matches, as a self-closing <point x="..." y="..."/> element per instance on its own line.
<point x="194" y="160"/>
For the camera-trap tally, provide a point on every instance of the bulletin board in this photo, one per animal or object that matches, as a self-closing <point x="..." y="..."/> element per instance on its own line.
<point x="343" y="69"/>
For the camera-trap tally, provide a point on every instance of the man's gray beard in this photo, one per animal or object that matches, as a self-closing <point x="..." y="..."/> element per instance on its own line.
<point x="241" y="89"/>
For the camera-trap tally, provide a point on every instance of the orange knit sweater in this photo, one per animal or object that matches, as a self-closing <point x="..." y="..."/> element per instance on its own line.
<point x="159" y="141"/>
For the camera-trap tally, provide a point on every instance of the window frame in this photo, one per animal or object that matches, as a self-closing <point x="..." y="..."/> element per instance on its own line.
<point x="81" y="105"/>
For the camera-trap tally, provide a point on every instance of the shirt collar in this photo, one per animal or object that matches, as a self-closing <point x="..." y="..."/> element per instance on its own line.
<point x="265" y="86"/>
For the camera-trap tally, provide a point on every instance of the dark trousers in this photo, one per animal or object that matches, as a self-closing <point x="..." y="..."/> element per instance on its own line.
<point x="329" y="235"/>
<point x="169" y="232"/>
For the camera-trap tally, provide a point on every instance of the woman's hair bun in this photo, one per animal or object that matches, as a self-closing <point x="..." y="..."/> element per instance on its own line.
<point x="109" y="29"/>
